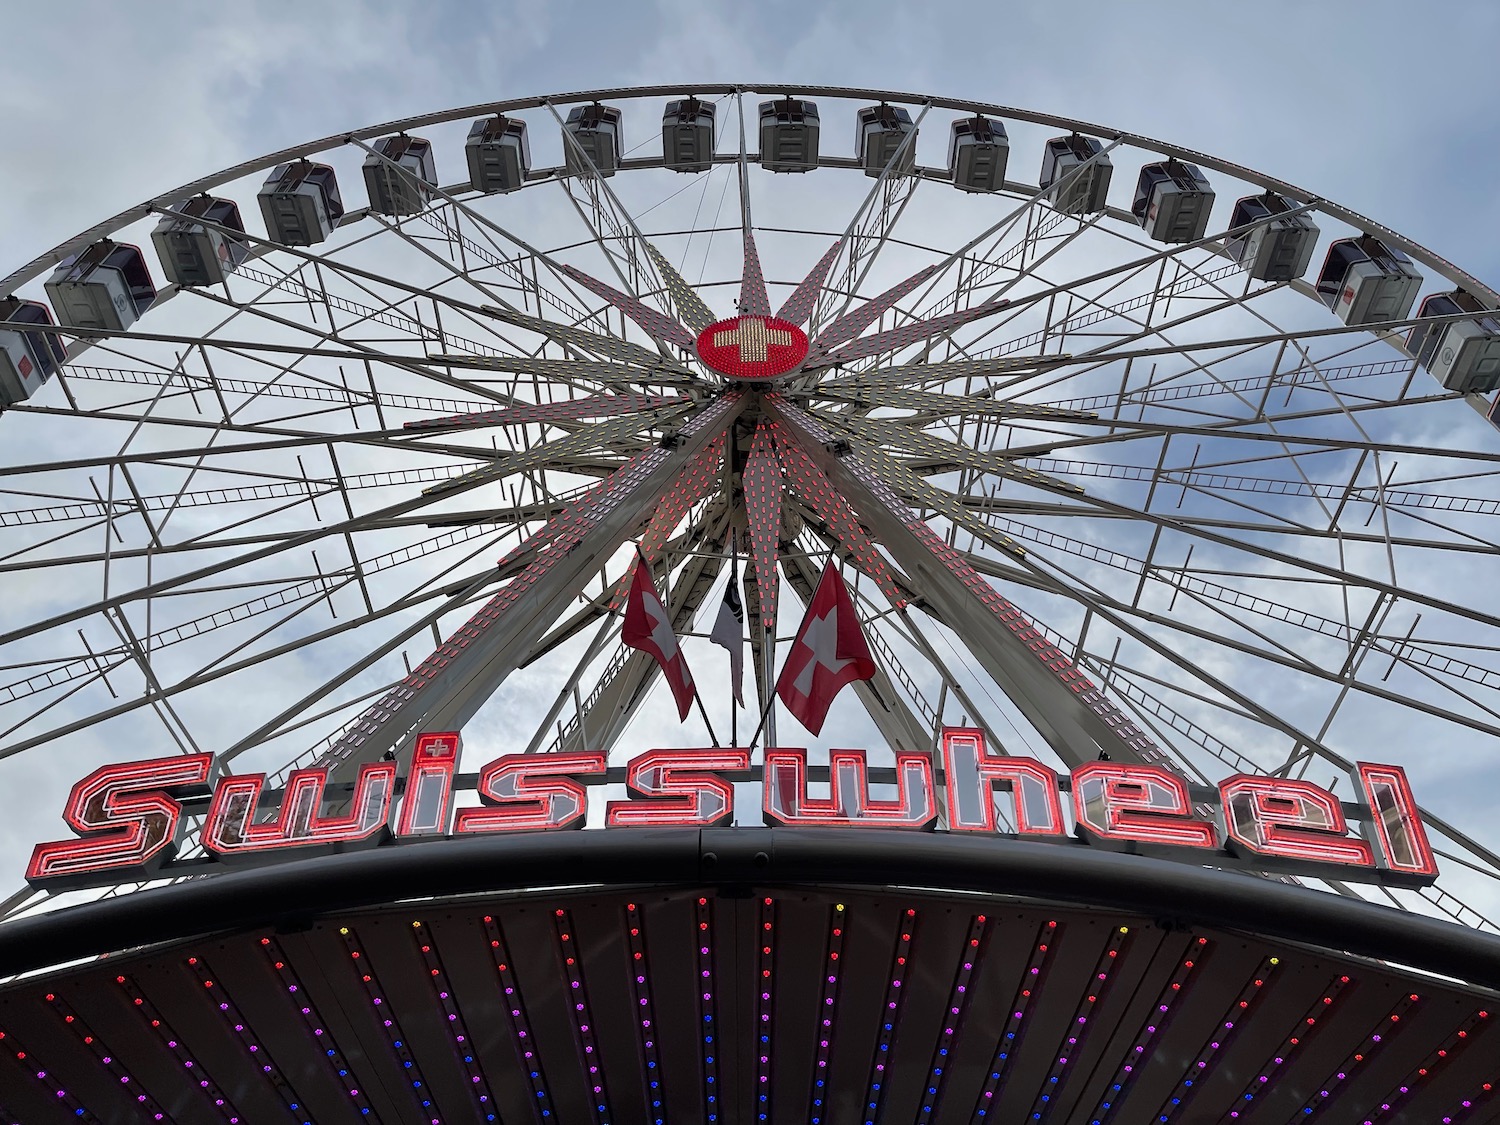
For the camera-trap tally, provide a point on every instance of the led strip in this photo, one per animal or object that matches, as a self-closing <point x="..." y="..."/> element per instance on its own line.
<point x="1200" y="1067"/>
<point x="1357" y="1059"/>
<point x="1015" y="1024"/>
<point x="763" y="1008"/>
<point x="583" y="1020"/>
<point x="1156" y="1021"/>
<point x="1301" y="1031"/>
<point x="826" y="1009"/>
<point x="891" y="1017"/>
<point x="28" y="1062"/>
<point x="1481" y="1097"/>
<point x="386" y="1018"/>
<point x="1078" y="1026"/>
<point x="463" y="1043"/>
<point x="230" y="1012"/>
<point x="1431" y="1065"/>
<point x="314" y="1023"/>
<point x="520" y="1026"/>
<point x="708" y="1021"/>
<point x="640" y="977"/>
<point x="953" y="1017"/>
<point x="148" y="1105"/>
<point x="173" y="1043"/>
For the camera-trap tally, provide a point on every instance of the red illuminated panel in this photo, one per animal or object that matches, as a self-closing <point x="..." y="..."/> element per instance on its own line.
<point x="851" y="324"/>
<point x="428" y="801"/>
<point x="128" y="820"/>
<point x="1396" y="823"/>
<point x="658" y="325"/>
<point x="1288" y="819"/>
<point x="849" y="804"/>
<point x="762" y="481"/>
<point x="527" y="792"/>
<point x="1123" y="806"/>
<point x="684" y="794"/>
<point x="970" y="772"/>
<point x="700" y="475"/>
<point x="231" y="833"/>
<point x="752" y="347"/>
<point x="799" y="305"/>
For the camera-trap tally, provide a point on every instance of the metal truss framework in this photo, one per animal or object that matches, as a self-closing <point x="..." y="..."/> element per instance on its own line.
<point x="372" y="486"/>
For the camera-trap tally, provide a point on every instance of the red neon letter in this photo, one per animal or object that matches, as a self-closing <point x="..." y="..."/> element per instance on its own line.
<point x="1121" y="806"/>
<point x="231" y="833"/>
<point x="128" y="819"/>
<point x="429" y="786"/>
<point x="1396" y="823"/>
<point x="526" y="792"/>
<point x="849" y="805"/>
<point x="970" y="770"/>
<point x="1290" y="820"/>
<point x="688" y="797"/>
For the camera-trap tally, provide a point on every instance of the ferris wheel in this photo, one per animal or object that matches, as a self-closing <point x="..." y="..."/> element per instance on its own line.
<point x="1124" y="451"/>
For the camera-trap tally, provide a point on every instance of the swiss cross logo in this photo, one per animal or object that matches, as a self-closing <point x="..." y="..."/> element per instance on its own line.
<point x="1347" y="297"/>
<point x="752" y="347"/>
<point x="24" y="367"/>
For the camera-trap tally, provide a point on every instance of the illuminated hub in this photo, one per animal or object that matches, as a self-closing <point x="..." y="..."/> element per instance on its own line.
<point x="752" y="348"/>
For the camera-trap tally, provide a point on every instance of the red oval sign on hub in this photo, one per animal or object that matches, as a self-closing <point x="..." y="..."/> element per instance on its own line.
<point x="752" y="347"/>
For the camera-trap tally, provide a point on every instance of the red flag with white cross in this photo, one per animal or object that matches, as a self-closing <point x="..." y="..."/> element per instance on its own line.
<point x="648" y="628"/>
<point x="829" y="652"/>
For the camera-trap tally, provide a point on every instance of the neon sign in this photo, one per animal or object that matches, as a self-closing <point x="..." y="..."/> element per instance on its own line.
<point x="131" y="819"/>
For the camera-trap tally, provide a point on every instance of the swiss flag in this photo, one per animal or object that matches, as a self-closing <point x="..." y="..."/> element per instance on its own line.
<point x="829" y="652"/>
<point x="648" y="628"/>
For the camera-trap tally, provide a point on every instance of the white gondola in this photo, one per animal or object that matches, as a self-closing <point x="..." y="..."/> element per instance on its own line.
<point x="1463" y="355"/>
<point x="405" y="189"/>
<point x="498" y="153"/>
<point x="1364" y="281"/>
<point x="300" y="203"/>
<point x="106" y="287"/>
<point x="1280" y="248"/>
<point x="977" y="153"/>
<point x="789" y="135"/>
<point x="194" y="254"/>
<point x="879" y="133"/>
<point x="27" y="359"/>
<point x="1087" y="191"/>
<point x="687" y="135"/>
<point x="1172" y="201"/>
<point x="596" y="128"/>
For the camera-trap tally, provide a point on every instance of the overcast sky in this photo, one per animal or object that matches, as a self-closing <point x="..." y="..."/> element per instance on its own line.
<point x="1368" y="104"/>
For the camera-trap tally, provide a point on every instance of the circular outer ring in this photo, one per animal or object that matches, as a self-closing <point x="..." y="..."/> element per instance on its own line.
<point x="1419" y="253"/>
<point x="294" y="893"/>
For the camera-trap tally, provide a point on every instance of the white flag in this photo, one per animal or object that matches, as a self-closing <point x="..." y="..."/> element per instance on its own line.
<point x="729" y="628"/>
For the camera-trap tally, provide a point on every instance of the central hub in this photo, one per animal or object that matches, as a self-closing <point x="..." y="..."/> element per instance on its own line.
<point x="752" y="348"/>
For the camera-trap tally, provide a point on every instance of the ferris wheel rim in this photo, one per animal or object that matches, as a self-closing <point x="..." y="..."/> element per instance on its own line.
<point x="260" y="164"/>
<point x="50" y="257"/>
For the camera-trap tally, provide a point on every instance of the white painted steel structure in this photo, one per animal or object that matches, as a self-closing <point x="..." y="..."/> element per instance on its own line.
<point x="1264" y="535"/>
